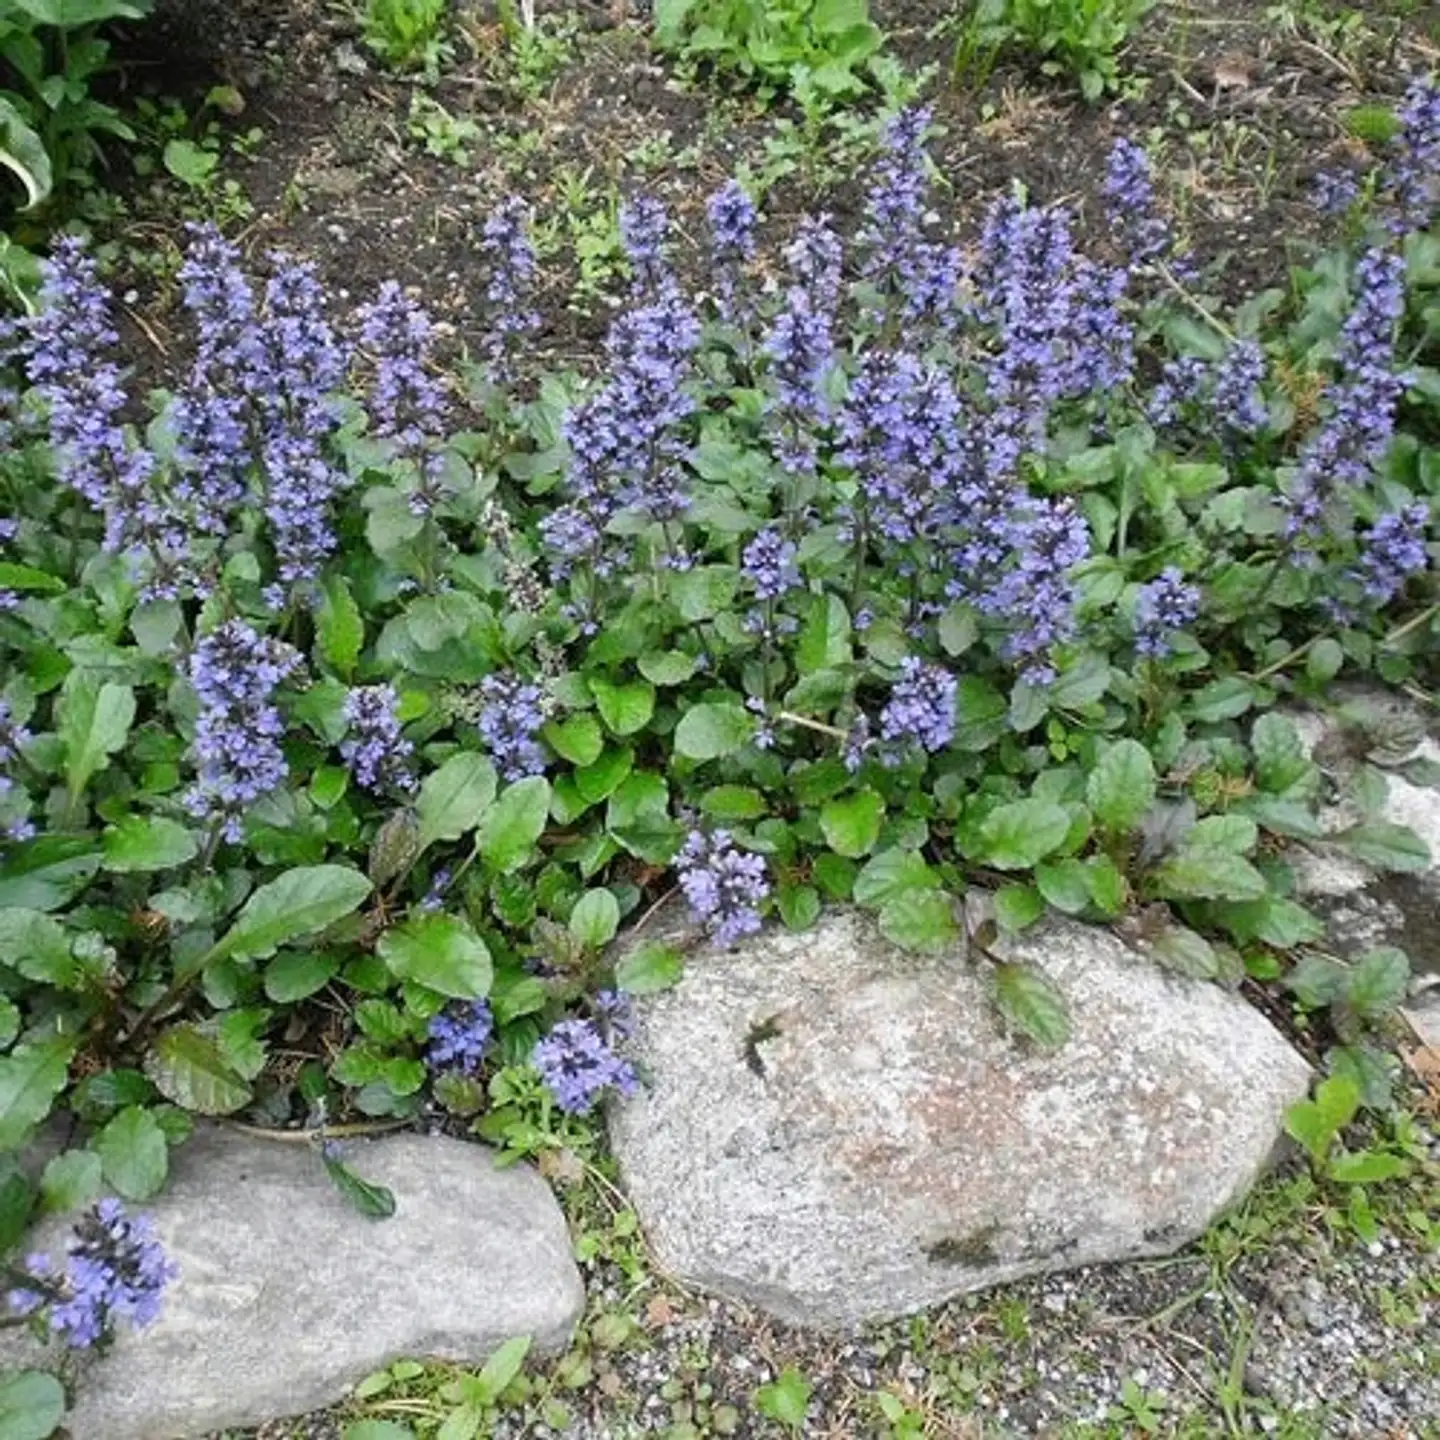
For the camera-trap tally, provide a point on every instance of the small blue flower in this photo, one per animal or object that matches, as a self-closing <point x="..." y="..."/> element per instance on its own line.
<point x="723" y="886"/>
<point x="578" y="1066"/>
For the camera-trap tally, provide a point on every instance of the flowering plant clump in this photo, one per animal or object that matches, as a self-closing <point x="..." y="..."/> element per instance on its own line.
<point x="348" y="711"/>
<point x="116" y="1271"/>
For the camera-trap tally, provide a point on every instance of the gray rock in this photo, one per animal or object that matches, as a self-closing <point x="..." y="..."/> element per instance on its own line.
<point x="836" y="1131"/>
<point x="1362" y="907"/>
<point x="287" y="1296"/>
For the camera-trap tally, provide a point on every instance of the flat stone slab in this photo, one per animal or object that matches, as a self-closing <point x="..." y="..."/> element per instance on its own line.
<point x="287" y="1296"/>
<point x="838" y="1132"/>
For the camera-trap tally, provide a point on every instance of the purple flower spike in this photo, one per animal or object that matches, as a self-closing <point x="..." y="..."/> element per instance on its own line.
<point x="235" y="672"/>
<point x="1164" y="606"/>
<point x="459" y="1036"/>
<point x="921" y="709"/>
<point x="117" y="1271"/>
<point x="722" y="885"/>
<point x="376" y="751"/>
<point x="513" y="715"/>
<point x="578" y="1066"/>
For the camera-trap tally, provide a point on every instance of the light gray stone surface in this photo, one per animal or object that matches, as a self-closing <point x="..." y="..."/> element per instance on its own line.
<point x="1363" y="908"/>
<point x="287" y="1296"/>
<point x="837" y="1131"/>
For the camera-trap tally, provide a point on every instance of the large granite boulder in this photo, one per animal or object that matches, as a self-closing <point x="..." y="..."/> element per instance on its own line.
<point x="837" y="1131"/>
<point x="287" y="1296"/>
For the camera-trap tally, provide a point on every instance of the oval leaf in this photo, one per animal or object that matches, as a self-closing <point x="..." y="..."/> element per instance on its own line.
<point x="1030" y="1003"/>
<point x="299" y="902"/>
<point x="187" y="1067"/>
<point x="441" y="952"/>
<point x="133" y="1153"/>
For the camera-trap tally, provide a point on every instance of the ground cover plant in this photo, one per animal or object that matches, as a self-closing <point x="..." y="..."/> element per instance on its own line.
<point x="816" y="48"/>
<point x="1080" y="37"/>
<point x="343" y="706"/>
<point x="49" y="120"/>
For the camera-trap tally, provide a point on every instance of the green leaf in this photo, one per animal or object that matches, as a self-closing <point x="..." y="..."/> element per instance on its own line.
<point x="442" y="952"/>
<point x="141" y="843"/>
<point x="703" y="591"/>
<point x="1019" y="835"/>
<point x="959" y="629"/>
<point x="851" y="823"/>
<point x="1317" y="980"/>
<point x="375" y="1202"/>
<point x="395" y="848"/>
<point x="624" y="708"/>
<point x="649" y="967"/>
<point x="604" y="776"/>
<point x="921" y="920"/>
<point x="30" y="580"/>
<point x="239" y="1035"/>
<point x="37" y="946"/>
<point x="188" y="1068"/>
<point x="1207" y="872"/>
<point x="31" y="1076"/>
<point x="825" y="637"/>
<point x="577" y="738"/>
<point x="1275" y="920"/>
<point x="191" y="164"/>
<point x="454" y="798"/>
<point x="1186" y="953"/>
<point x="1378" y="982"/>
<point x="1017" y="907"/>
<point x="1236" y="833"/>
<point x="1064" y="884"/>
<point x="1386" y="846"/>
<point x="95" y="723"/>
<point x="23" y="153"/>
<point x="1223" y="699"/>
<point x="707" y="732"/>
<point x="17" y="1205"/>
<point x="667" y="667"/>
<point x="378" y="1430"/>
<point x="299" y="902"/>
<point x="48" y="872"/>
<point x="70" y="1182"/>
<point x="1281" y="765"/>
<point x="1325" y="660"/>
<point x="1029" y="1002"/>
<point x="786" y="1400"/>
<point x="1315" y="1123"/>
<point x="1108" y="888"/>
<point x="595" y="919"/>
<point x="514" y="823"/>
<point x="133" y="1154"/>
<point x="729" y="803"/>
<point x="1364" y="1167"/>
<point x="32" y="1405"/>
<point x="339" y="627"/>
<point x="1121" y="787"/>
<point x="9" y="1022"/>
<point x="503" y="1366"/>
<point x="799" y="906"/>
<point x="1283" y="817"/>
<point x="296" y="974"/>
<point x="891" y="872"/>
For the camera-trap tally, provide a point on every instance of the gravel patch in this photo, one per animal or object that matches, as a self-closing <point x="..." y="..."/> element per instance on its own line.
<point x="1279" y="1321"/>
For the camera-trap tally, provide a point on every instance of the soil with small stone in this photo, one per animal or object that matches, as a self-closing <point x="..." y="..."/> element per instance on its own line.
<point x="1280" y="1321"/>
<point x="1249" y="102"/>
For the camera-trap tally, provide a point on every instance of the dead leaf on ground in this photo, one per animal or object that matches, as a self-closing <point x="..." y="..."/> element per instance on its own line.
<point x="562" y="1166"/>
